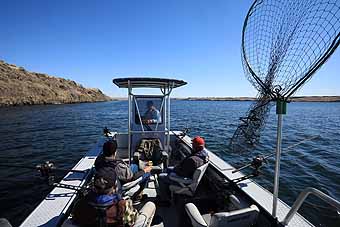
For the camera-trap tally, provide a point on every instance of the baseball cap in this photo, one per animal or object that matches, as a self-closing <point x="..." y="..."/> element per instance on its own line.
<point x="199" y="141"/>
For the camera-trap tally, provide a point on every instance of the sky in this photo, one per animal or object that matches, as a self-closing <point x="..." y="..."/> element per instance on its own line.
<point x="93" y="42"/>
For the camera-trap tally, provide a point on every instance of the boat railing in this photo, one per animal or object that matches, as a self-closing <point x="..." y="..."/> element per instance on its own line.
<point x="302" y="197"/>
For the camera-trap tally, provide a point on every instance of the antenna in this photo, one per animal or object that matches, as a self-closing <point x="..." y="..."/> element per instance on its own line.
<point x="283" y="44"/>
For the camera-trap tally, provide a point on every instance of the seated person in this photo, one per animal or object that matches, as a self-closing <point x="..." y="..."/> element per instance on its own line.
<point x="123" y="172"/>
<point x="186" y="167"/>
<point x="152" y="115"/>
<point x="119" y="212"/>
<point x="85" y="214"/>
<point x="198" y="157"/>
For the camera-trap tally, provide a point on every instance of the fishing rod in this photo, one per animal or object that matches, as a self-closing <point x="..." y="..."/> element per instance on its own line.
<point x="45" y="168"/>
<point x="59" y="185"/>
<point x="180" y="136"/>
<point x="257" y="161"/>
<point x="48" y="168"/>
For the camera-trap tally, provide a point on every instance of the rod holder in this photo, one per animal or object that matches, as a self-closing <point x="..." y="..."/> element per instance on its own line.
<point x="281" y="109"/>
<point x="281" y="106"/>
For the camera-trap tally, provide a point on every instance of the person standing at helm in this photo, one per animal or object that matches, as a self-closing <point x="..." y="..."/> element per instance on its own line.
<point x="152" y="115"/>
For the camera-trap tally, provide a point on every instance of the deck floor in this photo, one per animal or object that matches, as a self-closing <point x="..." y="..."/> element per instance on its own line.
<point x="164" y="216"/>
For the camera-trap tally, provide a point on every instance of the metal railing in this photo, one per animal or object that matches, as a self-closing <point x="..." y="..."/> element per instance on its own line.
<point x="302" y="197"/>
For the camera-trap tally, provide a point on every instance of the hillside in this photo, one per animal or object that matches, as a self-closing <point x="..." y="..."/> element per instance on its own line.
<point x="21" y="87"/>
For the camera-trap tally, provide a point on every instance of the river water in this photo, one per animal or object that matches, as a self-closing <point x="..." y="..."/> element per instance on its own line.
<point x="30" y="135"/>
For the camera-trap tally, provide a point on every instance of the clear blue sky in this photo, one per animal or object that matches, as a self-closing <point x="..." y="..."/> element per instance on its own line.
<point x="92" y="42"/>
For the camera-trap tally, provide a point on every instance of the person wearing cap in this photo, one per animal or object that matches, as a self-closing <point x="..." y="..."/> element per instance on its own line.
<point x="125" y="173"/>
<point x="118" y="211"/>
<point x="197" y="158"/>
<point x="108" y="159"/>
<point x="198" y="145"/>
<point x="84" y="212"/>
<point x="152" y="115"/>
<point x="186" y="168"/>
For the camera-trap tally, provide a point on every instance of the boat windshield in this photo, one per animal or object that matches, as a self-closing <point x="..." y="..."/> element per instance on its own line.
<point x="150" y="110"/>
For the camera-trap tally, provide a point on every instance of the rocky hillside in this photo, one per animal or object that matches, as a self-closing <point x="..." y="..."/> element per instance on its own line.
<point x="21" y="87"/>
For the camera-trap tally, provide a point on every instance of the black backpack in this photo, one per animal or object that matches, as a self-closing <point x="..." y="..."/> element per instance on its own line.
<point x="151" y="150"/>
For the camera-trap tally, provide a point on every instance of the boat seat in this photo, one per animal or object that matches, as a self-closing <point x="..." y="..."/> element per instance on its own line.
<point x="145" y="215"/>
<point x="4" y="223"/>
<point x="129" y="189"/>
<point x="159" y="157"/>
<point x="144" y="218"/>
<point x="187" y="186"/>
<point x="244" y="217"/>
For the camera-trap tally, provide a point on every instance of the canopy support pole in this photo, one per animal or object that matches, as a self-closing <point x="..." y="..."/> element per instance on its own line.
<point x="280" y="111"/>
<point x="129" y="119"/>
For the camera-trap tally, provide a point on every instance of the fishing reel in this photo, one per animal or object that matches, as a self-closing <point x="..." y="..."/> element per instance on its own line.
<point x="186" y="131"/>
<point x="109" y="135"/>
<point x="106" y="132"/>
<point x="46" y="170"/>
<point x="255" y="164"/>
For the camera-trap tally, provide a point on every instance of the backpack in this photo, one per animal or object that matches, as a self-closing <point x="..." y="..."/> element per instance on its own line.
<point x="151" y="150"/>
<point x="123" y="172"/>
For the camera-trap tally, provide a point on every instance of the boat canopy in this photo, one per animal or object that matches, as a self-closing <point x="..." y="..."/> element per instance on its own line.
<point x="143" y="124"/>
<point x="148" y="82"/>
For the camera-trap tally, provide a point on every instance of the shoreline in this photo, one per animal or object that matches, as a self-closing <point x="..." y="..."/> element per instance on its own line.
<point x="225" y="99"/>
<point x="293" y="99"/>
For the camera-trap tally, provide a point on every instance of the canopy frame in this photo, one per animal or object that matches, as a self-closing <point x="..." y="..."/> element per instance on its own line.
<point x="166" y="87"/>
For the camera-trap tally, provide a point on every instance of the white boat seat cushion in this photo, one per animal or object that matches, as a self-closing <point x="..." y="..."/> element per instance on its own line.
<point x="238" y="218"/>
<point x="145" y="215"/>
<point x="207" y="218"/>
<point x="197" y="220"/>
<point x="127" y="190"/>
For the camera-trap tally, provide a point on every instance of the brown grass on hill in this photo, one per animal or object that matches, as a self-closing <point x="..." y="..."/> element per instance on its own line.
<point x="21" y="87"/>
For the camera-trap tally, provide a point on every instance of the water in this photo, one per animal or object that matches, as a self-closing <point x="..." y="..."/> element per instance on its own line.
<point x="63" y="133"/>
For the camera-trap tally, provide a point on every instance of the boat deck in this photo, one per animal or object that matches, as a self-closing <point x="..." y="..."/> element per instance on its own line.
<point x="55" y="207"/>
<point x="165" y="216"/>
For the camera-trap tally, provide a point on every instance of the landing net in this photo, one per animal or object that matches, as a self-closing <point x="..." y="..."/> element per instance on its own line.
<point x="284" y="42"/>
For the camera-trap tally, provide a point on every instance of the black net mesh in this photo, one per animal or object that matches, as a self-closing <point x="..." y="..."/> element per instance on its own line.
<point x="247" y="134"/>
<point x="283" y="43"/>
<point x="283" y="40"/>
